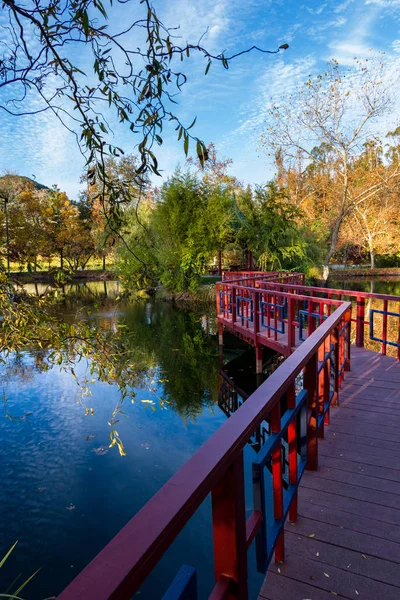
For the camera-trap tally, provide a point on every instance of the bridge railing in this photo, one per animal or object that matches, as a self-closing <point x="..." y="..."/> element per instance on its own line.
<point x="382" y="325"/>
<point x="268" y="310"/>
<point x="247" y="277"/>
<point x="295" y="401"/>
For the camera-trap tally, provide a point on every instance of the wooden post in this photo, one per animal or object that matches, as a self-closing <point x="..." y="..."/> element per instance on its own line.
<point x="310" y="384"/>
<point x="220" y="334"/>
<point x="327" y="380"/>
<point x="291" y="327"/>
<point x="398" y="340"/>
<point x="384" y="326"/>
<point x="256" y="314"/>
<point x="229" y="530"/>
<point x="321" y="390"/>
<point x="360" y="322"/>
<point x="347" y="366"/>
<point x="292" y="442"/>
<point x="259" y="359"/>
<point x="341" y="353"/>
<point x="218" y="298"/>
<point x="276" y="463"/>
<point x="335" y="339"/>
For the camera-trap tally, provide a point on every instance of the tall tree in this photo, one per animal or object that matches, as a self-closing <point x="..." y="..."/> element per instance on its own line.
<point x="324" y="124"/>
<point x="219" y="217"/>
<point x="268" y="228"/>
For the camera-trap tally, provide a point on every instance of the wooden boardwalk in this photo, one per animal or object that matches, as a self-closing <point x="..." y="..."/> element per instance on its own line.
<point x="348" y="545"/>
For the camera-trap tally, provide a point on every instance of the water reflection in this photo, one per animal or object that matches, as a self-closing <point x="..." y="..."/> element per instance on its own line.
<point x="65" y="493"/>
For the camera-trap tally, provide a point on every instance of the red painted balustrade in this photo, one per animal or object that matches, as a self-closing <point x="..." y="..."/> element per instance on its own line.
<point x="266" y="315"/>
<point x="382" y="308"/>
<point x="294" y="402"/>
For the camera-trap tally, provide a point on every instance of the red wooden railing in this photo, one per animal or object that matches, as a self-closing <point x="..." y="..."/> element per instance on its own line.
<point x="277" y="276"/>
<point x="294" y="402"/>
<point x="359" y="299"/>
<point x="266" y="315"/>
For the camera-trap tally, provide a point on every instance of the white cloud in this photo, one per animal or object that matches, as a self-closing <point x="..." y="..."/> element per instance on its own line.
<point x="317" y="11"/>
<point x="341" y="7"/>
<point x="396" y="46"/>
<point x="316" y="30"/>
<point x="358" y="40"/>
<point x="384" y="3"/>
<point x="279" y="79"/>
<point x="196" y="18"/>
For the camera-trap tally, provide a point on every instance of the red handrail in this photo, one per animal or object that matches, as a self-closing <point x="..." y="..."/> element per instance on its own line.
<point x="217" y="468"/>
<point x="359" y="319"/>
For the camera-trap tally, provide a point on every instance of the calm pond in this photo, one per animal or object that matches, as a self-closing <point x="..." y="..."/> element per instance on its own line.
<point x="65" y="493"/>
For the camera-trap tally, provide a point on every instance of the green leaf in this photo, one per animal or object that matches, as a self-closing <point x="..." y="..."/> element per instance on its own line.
<point x="3" y="560"/>
<point x="85" y="23"/>
<point x="26" y="582"/>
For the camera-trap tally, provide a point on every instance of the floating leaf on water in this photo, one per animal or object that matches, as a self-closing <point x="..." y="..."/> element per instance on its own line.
<point x="70" y="507"/>
<point x="311" y="535"/>
<point x="100" y="450"/>
<point x="326" y="575"/>
<point x="363" y="555"/>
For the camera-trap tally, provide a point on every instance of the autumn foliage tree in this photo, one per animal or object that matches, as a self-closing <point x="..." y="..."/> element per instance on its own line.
<point x="318" y="136"/>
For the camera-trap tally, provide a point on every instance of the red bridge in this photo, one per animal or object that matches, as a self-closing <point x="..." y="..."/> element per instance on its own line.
<point x="343" y="536"/>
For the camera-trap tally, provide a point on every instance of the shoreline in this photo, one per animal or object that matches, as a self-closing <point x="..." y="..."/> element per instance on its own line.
<point x="360" y="273"/>
<point x="48" y="277"/>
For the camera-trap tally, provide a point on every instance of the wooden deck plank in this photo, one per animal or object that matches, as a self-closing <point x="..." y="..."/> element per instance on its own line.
<point x="342" y="429"/>
<point x="352" y="491"/>
<point x="358" y="479"/>
<point x="345" y="584"/>
<point x="351" y="505"/>
<point x="340" y="536"/>
<point x="353" y="562"/>
<point x="354" y="522"/>
<point x="355" y="467"/>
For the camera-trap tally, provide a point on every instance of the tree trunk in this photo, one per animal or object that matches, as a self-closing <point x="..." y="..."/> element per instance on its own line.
<point x="219" y="262"/>
<point x="34" y="264"/>
<point x="372" y="255"/>
<point x="61" y="260"/>
<point x="104" y="262"/>
<point x="334" y="240"/>
<point x="340" y="217"/>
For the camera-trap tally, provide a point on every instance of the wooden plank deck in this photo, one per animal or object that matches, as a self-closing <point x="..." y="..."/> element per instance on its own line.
<point x="348" y="545"/>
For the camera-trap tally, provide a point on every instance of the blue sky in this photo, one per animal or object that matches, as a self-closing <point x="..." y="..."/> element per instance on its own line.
<point x="230" y="105"/>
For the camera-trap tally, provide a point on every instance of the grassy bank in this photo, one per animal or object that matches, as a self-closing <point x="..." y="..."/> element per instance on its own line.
<point x="364" y="272"/>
